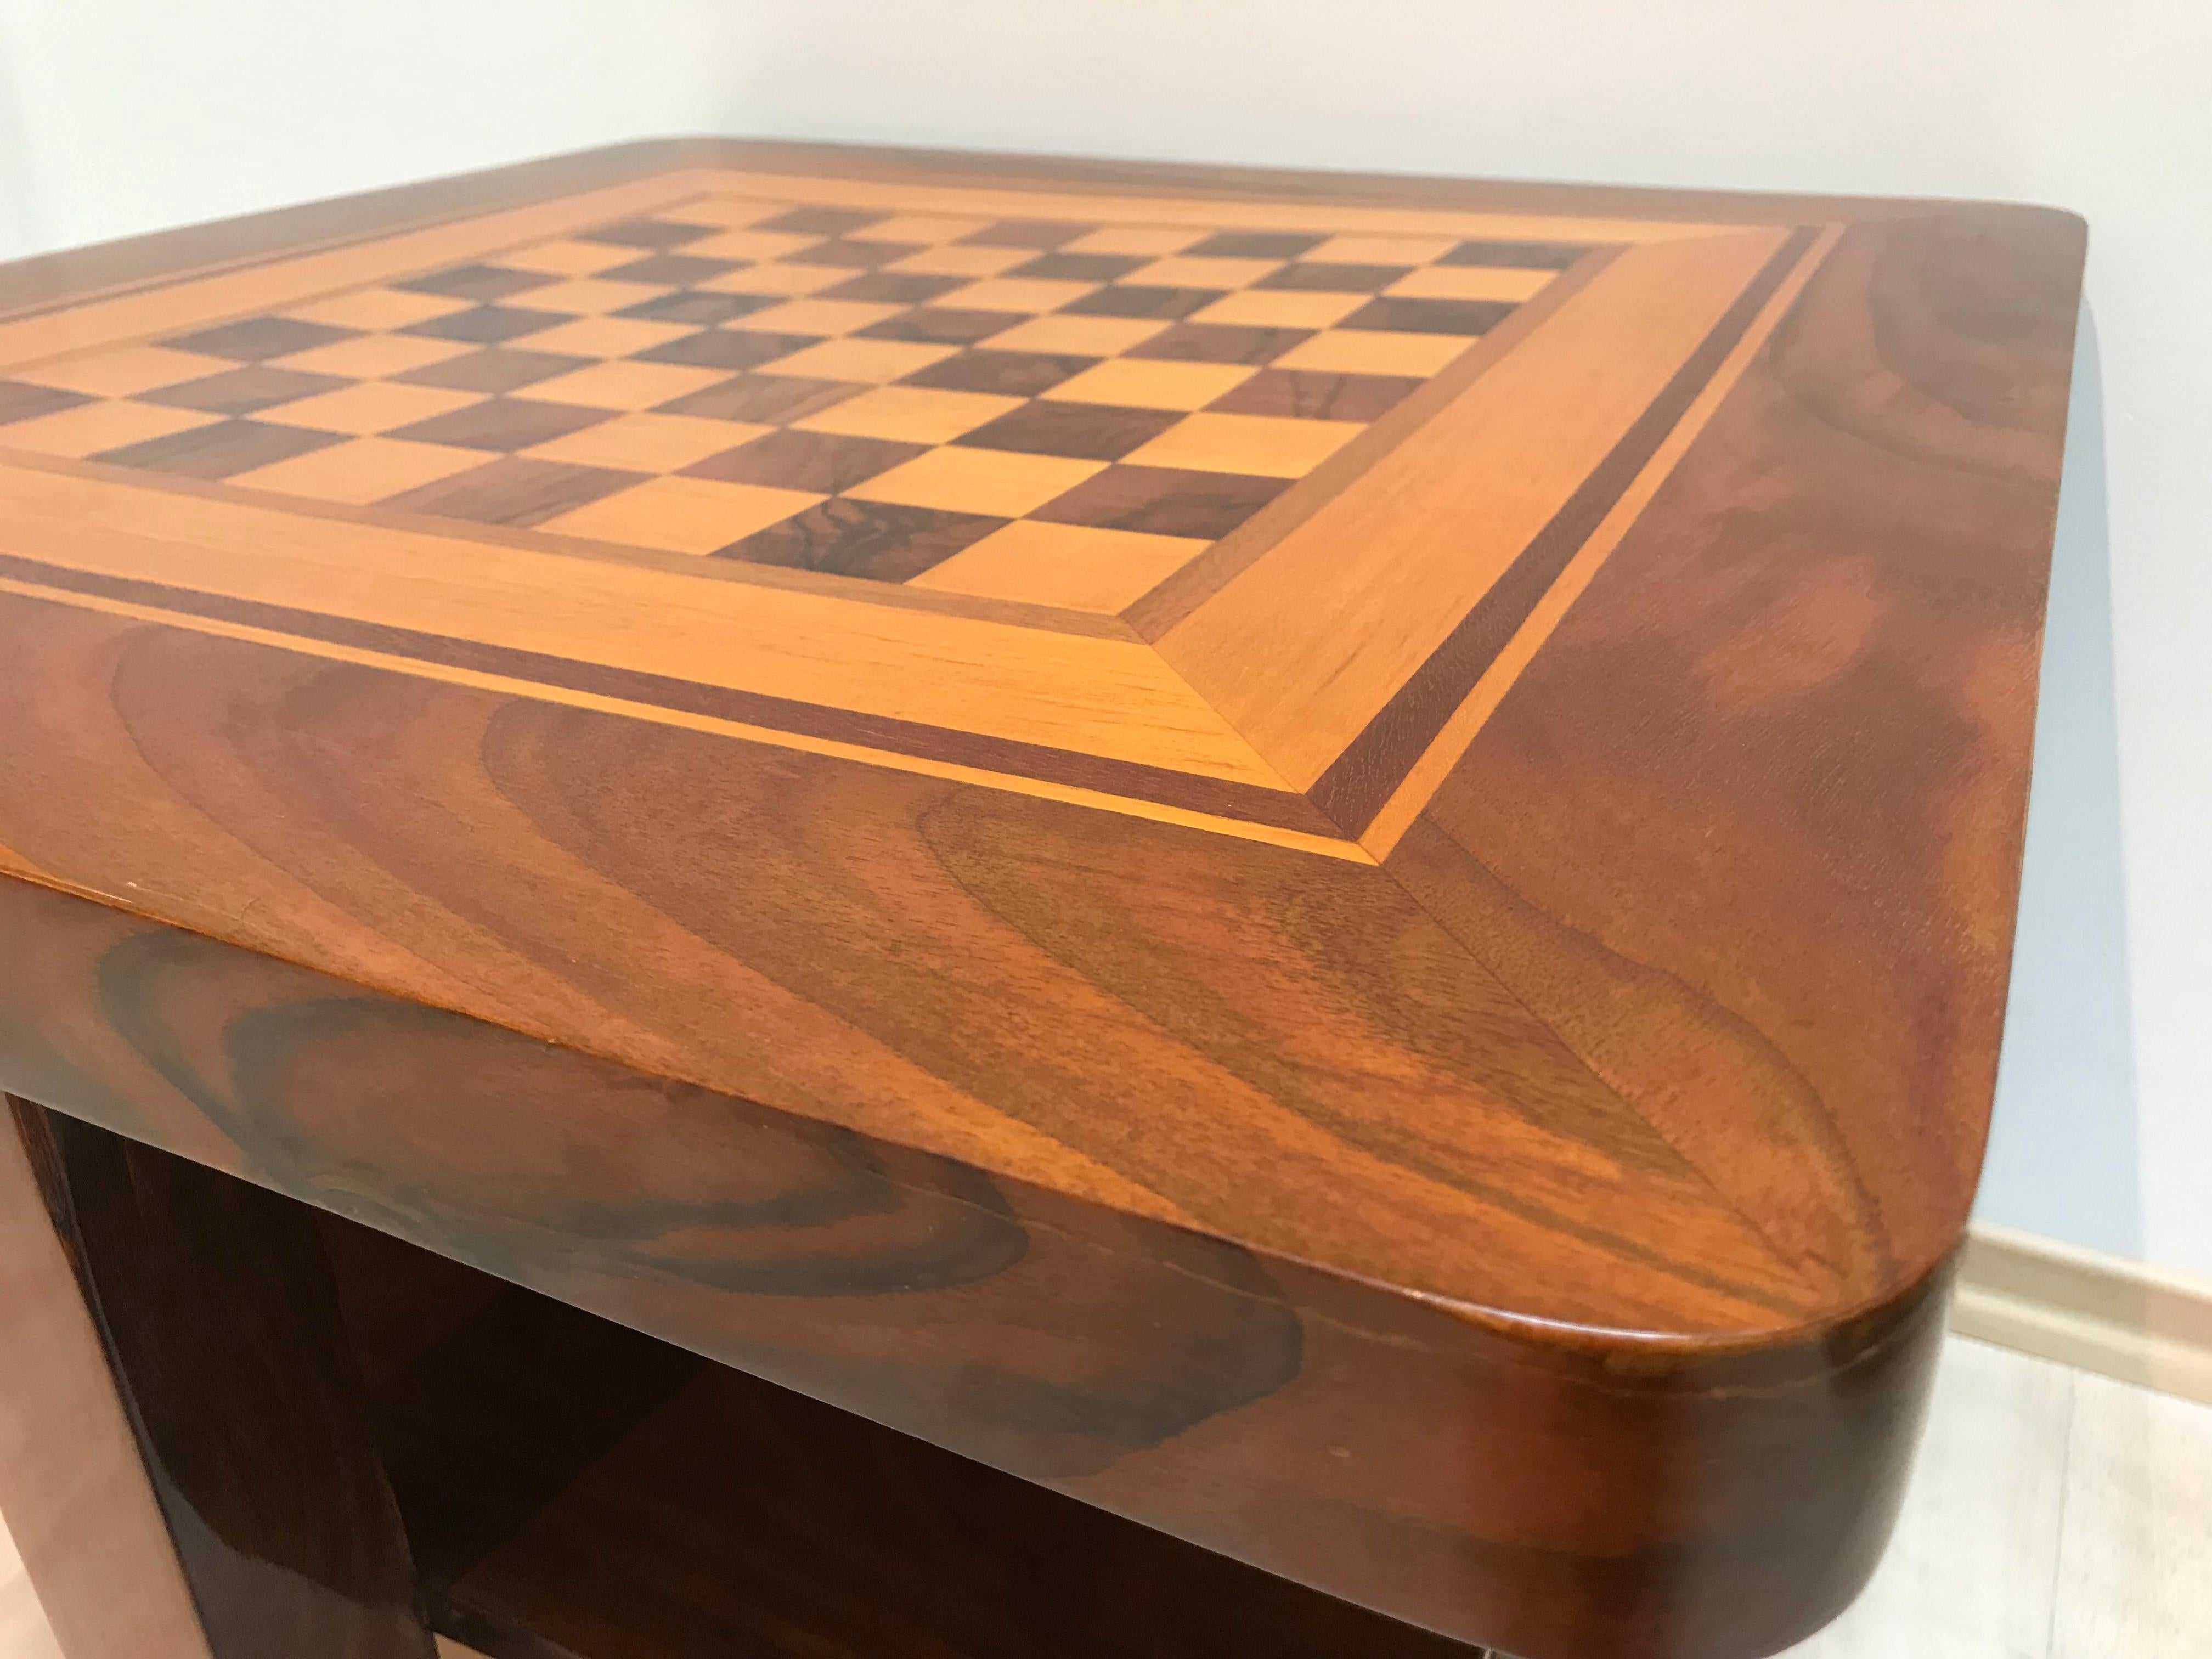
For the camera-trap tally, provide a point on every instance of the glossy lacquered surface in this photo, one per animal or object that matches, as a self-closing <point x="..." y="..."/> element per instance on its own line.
<point x="74" y="1490"/>
<point x="1428" y="1024"/>
<point x="571" y="1484"/>
<point x="1364" y="1442"/>
<point x="222" y="1328"/>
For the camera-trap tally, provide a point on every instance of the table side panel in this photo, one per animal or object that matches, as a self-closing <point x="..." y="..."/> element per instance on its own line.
<point x="1551" y="1500"/>
<point x="220" y="1323"/>
<point x="79" y="1506"/>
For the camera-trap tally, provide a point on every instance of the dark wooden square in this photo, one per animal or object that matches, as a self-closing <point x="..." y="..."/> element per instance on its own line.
<point x="942" y="326"/>
<point x="487" y="324"/>
<point x="897" y="288"/>
<point x="1220" y="342"/>
<point x="877" y="540"/>
<point x="1009" y="373"/>
<point x="515" y="489"/>
<point x="1398" y="314"/>
<point x="1064" y="267"/>
<point x="1254" y="245"/>
<point x="253" y="339"/>
<point x="724" y="348"/>
<point x="1313" y="395"/>
<point x="821" y="221"/>
<point x="480" y="282"/>
<point x="854" y="253"/>
<point x="1026" y="233"/>
<point x="822" y="461"/>
<point x="219" y="451"/>
<point x="676" y="269"/>
<point x="1164" y="500"/>
<point x="1086" y="432"/>
<point x="243" y="390"/>
<point x="701" y="307"/>
<point x="647" y="232"/>
<point x="1327" y="276"/>
<point x="22" y="401"/>
<point x="763" y="398"/>
<point x="494" y="369"/>
<point x="1142" y="299"/>
<point x="505" y="423"/>
<point x="1520" y="256"/>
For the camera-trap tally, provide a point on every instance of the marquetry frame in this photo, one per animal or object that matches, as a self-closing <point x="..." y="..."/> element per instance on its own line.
<point x="1299" y="681"/>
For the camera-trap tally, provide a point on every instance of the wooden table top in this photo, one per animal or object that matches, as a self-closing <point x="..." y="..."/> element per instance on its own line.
<point x="1469" y="738"/>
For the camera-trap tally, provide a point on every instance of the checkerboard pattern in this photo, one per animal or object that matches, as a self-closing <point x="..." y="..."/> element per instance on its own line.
<point x="1063" y="411"/>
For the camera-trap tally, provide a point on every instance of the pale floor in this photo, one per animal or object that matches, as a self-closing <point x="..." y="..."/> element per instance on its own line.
<point x="2054" y="1515"/>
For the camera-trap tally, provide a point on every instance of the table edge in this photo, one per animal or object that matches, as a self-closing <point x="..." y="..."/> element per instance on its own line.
<point x="68" y="276"/>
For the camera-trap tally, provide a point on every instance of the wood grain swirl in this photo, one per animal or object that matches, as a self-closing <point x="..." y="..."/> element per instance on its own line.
<point x="221" y="1325"/>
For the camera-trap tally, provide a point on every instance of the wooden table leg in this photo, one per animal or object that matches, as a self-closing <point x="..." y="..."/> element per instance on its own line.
<point x="185" y="1455"/>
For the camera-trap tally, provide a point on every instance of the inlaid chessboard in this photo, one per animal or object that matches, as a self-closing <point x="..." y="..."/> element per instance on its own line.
<point x="1058" y="410"/>
<point x="1209" y="508"/>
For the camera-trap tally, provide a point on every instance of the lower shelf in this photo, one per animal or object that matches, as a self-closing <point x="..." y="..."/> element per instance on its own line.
<point x="574" y="1490"/>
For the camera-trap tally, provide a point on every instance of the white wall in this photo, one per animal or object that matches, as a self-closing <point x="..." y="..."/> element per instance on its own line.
<point x="117" y="117"/>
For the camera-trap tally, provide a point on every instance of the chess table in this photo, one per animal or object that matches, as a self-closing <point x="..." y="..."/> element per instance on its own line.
<point x="786" y="900"/>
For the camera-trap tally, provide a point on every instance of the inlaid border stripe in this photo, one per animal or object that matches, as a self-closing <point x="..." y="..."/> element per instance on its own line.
<point x="1110" y="698"/>
<point x="1436" y="762"/>
<point x="1215" y="797"/>
<point x="1235" y="212"/>
<point x="1303" y="648"/>
<point x="899" y="595"/>
<point x="1363" y="776"/>
<point x="1153" y="614"/>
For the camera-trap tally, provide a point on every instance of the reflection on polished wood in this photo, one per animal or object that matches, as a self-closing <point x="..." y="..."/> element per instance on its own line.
<point x="1426" y="1023"/>
<point x="1270" y="1409"/>
<point x="569" y="1482"/>
<point x="221" y="1327"/>
<point x="79" y="1508"/>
